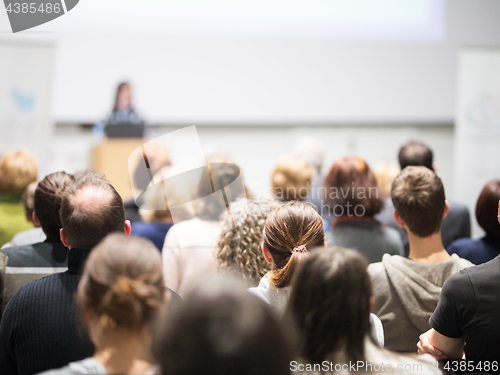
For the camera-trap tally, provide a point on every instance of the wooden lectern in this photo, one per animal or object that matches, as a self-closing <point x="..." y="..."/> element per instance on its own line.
<point x="110" y="158"/>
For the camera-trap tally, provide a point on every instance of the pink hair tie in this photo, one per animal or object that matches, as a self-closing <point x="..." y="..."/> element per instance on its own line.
<point x="299" y="249"/>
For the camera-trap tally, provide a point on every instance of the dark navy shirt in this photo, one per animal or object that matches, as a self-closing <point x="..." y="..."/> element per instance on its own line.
<point x="478" y="251"/>
<point x="154" y="231"/>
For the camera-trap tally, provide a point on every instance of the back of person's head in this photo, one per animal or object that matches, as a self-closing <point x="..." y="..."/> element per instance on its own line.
<point x="29" y="201"/>
<point x="122" y="283"/>
<point x="157" y="158"/>
<point x="292" y="178"/>
<point x="90" y="209"/>
<point x="486" y="208"/>
<point x="419" y="199"/>
<point x="330" y="304"/>
<point x="48" y="195"/>
<point x="154" y="198"/>
<point x="219" y="174"/>
<point x="18" y="169"/>
<point x="385" y="174"/>
<point x="352" y="189"/>
<point x="239" y="246"/>
<point x="415" y="154"/>
<point x="289" y="232"/>
<point x="311" y="150"/>
<point x="224" y="330"/>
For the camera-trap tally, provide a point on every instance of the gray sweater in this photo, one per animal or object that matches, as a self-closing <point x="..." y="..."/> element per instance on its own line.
<point x="406" y="293"/>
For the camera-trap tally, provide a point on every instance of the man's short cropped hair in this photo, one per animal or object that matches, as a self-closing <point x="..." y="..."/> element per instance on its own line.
<point x="416" y="154"/>
<point x="419" y="198"/>
<point x="29" y="201"/>
<point x="91" y="209"/>
<point x="47" y="196"/>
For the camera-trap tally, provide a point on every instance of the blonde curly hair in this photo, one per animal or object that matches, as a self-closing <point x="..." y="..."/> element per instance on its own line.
<point x="239" y="249"/>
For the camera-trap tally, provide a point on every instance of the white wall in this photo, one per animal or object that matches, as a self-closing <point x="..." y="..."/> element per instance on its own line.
<point x="210" y="79"/>
<point x="478" y="122"/>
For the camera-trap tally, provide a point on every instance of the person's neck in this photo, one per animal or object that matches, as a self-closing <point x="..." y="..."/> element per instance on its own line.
<point x="123" y="352"/>
<point x="428" y="249"/>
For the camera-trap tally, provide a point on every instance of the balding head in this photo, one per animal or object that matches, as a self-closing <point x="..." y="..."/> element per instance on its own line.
<point x="415" y="154"/>
<point x="90" y="210"/>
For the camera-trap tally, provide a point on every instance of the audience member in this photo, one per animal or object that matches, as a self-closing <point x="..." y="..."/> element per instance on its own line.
<point x="156" y="215"/>
<point x="18" y="169"/>
<point x="239" y="246"/>
<point x="222" y="330"/>
<point x="39" y="330"/>
<point x="31" y="262"/>
<point x="312" y="151"/>
<point x="354" y="198"/>
<point x="488" y="247"/>
<point x="406" y="291"/>
<point x="33" y="235"/>
<point x="289" y="232"/>
<point x="120" y="293"/>
<point x="385" y="174"/>
<point x="330" y="304"/>
<point x="189" y="251"/>
<point x="156" y="163"/>
<point x="454" y="226"/>
<point x="467" y="313"/>
<point x="292" y="178"/>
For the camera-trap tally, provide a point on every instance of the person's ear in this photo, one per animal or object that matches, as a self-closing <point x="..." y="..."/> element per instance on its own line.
<point x="64" y="239"/>
<point x="446" y="209"/>
<point x="398" y="220"/>
<point x="127" y="228"/>
<point x="325" y="244"/>
<point x="435" y="167"/>
<point x="36" y="221"/>
<point x="267" y="253"/>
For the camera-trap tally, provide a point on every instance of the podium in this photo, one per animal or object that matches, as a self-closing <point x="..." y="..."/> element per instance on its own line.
<point x="110" y="158"/>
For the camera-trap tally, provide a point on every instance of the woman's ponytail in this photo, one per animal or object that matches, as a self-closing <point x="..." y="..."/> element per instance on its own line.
<point x="289" y="231"/>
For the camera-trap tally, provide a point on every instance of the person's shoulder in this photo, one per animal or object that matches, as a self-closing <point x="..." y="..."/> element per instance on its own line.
<point x="463" y="243"/>
<point x="84" y="366"/>
<point x="14" y="252"/>
<point x="460" y="261"/>
<point x="457" y="283"/>
<point x="456" y="207"/>
<point x="140" y="227"/>
<point x="60" y="371"/>
<point x="262" y="289"/>
<point x="376" y="269"/>
<point x="40" y="286"/>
